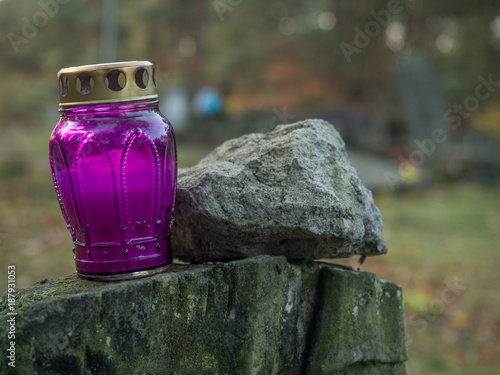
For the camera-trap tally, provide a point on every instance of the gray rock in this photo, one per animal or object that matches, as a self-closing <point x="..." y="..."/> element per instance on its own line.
<point x="262" y="315"/>
<point x="288" y="192"/>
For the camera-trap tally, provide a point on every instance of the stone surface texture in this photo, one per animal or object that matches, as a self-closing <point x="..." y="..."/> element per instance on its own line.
<point x="261" y="315"/>
<point x="289" y="192"/>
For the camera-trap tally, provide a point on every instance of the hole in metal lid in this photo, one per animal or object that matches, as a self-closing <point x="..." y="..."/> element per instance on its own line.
<point x="63" y="85"/>
<point x="115" y="80"/>
<point x="141" y="78"/>
<point x="84" y="83"/>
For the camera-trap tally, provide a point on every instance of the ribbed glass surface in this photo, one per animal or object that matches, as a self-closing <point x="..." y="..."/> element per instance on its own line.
<point x="115" y="168"/>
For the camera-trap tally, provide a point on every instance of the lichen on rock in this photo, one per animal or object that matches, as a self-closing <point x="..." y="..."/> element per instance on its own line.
<point x="290" y="192"/>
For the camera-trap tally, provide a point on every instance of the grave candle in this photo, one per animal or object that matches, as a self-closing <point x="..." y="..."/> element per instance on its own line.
<point x="114" y="165"/>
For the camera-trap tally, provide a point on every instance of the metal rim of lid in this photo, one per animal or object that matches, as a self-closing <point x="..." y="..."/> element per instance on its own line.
<point x="106" y="83"/>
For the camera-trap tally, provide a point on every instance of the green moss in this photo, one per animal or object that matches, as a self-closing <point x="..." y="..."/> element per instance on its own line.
<point x="209" y="363"/>
<point x="25" y="300"/>
<point x="378" y="288"/>
<point x="226" y="276"/>
<point x="357" y="313"/>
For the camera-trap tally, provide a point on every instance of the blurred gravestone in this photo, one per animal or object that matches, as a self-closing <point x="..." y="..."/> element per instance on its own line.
<point x="420" y="96"/>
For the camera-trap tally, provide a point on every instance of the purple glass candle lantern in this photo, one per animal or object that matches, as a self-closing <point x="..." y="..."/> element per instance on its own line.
<point x="114" y="163"/>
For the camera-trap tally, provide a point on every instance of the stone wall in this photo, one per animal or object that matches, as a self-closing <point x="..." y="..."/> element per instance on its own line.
<point x="262" y="315"/>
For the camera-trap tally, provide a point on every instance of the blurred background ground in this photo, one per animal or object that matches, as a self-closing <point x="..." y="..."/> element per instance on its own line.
<point x="387" y="74"/>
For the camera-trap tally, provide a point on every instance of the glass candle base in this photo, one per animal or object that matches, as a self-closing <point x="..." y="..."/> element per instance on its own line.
<point x="114" y="168"/>
<point x="119" y="262"/>
<point x="124" y="276"/>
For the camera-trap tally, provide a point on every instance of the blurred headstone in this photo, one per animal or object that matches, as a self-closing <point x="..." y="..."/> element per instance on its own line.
<point x="480" y="157"/>
<point x="420" y="96"/>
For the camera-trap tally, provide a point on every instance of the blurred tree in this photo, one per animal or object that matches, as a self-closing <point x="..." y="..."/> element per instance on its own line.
<point x="260" y="54"/>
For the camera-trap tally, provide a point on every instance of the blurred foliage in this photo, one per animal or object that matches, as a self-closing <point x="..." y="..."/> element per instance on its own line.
<point x="488" y="120"/>
<point x="261" y="54"/>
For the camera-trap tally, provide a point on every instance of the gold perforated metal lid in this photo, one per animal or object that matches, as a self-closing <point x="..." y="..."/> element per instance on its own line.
<point x="107" y="83"/>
